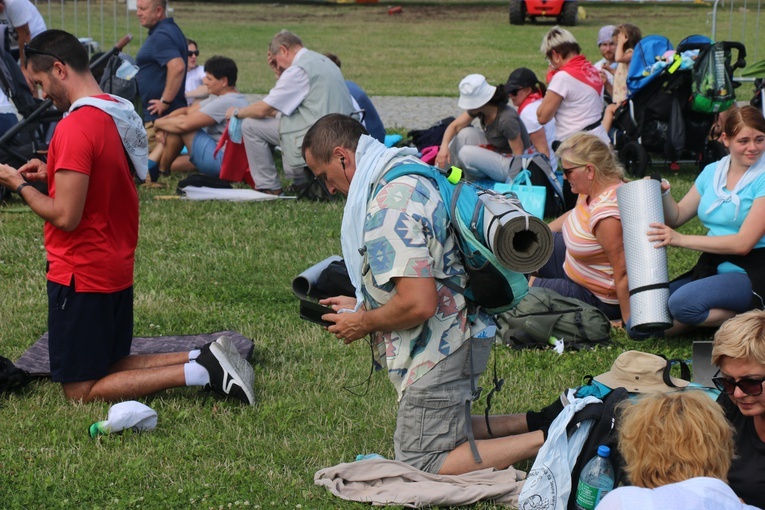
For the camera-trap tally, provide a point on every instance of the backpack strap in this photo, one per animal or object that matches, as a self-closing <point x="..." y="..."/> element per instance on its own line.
<point x="498" y="383"/>
<point x="685" y="372"/>
<point x="475" y="394"/>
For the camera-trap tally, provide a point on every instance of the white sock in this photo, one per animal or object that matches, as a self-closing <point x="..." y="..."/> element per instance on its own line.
<point x="194" y="354"/>
<point x="196" y="374"/>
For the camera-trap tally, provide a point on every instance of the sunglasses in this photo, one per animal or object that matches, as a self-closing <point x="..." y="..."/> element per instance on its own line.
<point x="749" y="385"/>
<point x="567" y="171"/>
<point x="514" y="92"/>
<point x="194" y="53"/>
<point x="29" y="51"/>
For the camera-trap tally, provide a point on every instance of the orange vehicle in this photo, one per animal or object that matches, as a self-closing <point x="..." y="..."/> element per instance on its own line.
<point x="565" y="11"/>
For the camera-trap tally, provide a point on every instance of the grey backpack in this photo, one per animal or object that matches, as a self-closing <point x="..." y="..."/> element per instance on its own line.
<point x="544" y="313"/>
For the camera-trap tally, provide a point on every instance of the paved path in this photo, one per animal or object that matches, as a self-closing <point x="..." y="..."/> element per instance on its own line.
<point x="407" y="112"/>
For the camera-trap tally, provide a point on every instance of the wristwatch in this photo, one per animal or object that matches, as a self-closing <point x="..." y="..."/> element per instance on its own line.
<point x="236" y="113"/>
<point x="21" y="187"/>
<point x="164" y="102"/>
<point x="666" y="191"/>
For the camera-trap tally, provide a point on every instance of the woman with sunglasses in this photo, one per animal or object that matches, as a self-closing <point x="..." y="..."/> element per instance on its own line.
<point x="482" y="151"/>
<point x="588" y="256"/>
<point x="739" y="353"/>
<point x="526" y="92"/>
<point x="575" y="89"/>
<point x="729" y="199"/>
<point x="195" y="74"/>
<point x="677" y="449"/>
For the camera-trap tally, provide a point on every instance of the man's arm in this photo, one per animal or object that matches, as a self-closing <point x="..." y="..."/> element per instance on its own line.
<point x="180" y="124"/>
<point x="259" y="110"/>
<point x="414" y="302"/>
<point x="175" y="71"/>
<point x="64" y="211"/>
<point x="24" y="37"/>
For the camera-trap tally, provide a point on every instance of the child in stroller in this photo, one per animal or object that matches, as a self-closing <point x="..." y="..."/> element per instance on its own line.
<point x="657" y="116"/>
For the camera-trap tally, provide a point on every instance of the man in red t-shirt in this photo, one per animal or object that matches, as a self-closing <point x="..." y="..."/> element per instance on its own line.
<point x="91" y="232"/>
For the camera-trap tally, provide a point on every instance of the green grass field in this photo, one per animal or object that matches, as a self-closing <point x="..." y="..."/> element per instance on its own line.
<point x="205" y="266"/>
<point x="424" y="51"/>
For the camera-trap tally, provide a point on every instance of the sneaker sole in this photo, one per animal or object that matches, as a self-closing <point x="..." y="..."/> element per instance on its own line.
<point x="241" y="365"/>
<point x="229" y="368"/>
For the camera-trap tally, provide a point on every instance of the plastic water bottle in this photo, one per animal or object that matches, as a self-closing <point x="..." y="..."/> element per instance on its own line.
<point x="596" y="480"/>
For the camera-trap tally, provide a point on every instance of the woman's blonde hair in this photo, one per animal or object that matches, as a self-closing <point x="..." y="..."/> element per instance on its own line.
<point x="668" y="438"/>
<point x="741" y="337"/>
<point x="560" y="40"/>
<point x="587" y="149"/>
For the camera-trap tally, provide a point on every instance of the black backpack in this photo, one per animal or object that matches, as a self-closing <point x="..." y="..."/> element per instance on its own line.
<point x="11" y="377"/>
<point x="431" y="136"/>
<point x="559" y="198"/>
<point x="603" y="432"/>
<point x="112" y="84"/>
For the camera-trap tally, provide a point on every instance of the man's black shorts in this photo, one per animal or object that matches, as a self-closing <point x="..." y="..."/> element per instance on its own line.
<point x="87" y="331"/>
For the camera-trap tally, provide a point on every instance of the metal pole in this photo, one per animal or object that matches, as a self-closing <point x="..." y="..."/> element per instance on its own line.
<point x="757" y="30"/>
<point x="714" y="19"/>
<point x="102" y="21"/>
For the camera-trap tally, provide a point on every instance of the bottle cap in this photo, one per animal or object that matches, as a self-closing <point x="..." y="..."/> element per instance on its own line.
<point x="604" y="451"/>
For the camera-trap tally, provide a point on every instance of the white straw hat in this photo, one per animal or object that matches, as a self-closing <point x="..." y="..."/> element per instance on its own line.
<point x="475" y="92"/>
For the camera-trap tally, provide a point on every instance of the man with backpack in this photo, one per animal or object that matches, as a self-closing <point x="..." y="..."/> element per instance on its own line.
<point x="405" y="267"/>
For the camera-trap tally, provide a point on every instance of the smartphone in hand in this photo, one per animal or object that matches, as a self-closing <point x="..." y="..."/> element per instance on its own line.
<point x="312" y="312"/>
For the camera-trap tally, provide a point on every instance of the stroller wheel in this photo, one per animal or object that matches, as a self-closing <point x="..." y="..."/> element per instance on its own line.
<point x="634" y="158"/>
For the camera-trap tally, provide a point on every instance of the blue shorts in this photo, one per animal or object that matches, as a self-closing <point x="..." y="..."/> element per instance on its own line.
<point x="202" y="150"/>
<point x="88" y="332"/>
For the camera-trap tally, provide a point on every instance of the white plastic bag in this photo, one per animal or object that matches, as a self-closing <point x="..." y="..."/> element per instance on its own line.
<point x="548" y="484"/>
<point x="126" y="415"/>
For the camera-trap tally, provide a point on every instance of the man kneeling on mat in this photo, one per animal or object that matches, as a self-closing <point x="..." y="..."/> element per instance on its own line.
<point x="398" y="260"/>
<point x="91" y="232"/>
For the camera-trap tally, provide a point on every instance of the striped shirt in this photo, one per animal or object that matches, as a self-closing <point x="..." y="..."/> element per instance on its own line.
<point x="586" y="262"/>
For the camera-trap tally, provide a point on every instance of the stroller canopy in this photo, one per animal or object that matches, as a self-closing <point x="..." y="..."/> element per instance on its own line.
<point x="647" y="52"/>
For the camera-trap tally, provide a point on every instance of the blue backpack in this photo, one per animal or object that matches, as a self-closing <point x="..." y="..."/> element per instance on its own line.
<point x="490" y="285"/>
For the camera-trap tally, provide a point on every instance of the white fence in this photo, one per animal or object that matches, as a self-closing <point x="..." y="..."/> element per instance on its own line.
<point x="740" y="20"/>
<point x="104" y="21"/>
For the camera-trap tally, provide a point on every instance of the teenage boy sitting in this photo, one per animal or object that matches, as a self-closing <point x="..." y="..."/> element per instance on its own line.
<point x="200" y="126"/>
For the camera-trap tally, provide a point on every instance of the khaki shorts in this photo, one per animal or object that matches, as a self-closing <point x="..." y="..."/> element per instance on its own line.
<point x="431" y="414"/>
<point x="149" y="126"/>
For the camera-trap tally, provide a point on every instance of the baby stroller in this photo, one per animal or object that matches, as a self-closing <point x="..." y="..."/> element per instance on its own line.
<point x="27" y="139"/>
<point x="663" y="114"/>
